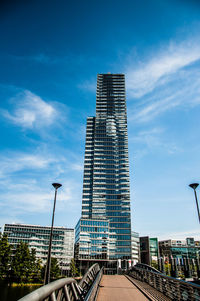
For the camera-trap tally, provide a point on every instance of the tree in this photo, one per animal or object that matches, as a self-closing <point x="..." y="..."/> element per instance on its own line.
<point x="55" y="271"/>
<point x="21" y="264"/>
<point x="35" y="267"/>
<point x="73" y="268"/>
<point x="5" y="256"/>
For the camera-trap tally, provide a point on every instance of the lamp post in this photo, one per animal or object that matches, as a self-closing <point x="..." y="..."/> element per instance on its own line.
<point x="194" y="186"/>
<point x="48" y="265"/>
<point x="88" y="249"/>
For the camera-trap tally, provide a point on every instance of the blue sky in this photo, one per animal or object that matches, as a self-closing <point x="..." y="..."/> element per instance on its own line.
<point x="50" y="55"/>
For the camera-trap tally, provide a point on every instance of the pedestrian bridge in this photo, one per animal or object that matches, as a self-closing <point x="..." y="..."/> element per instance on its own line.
<point x="140" y="283"/>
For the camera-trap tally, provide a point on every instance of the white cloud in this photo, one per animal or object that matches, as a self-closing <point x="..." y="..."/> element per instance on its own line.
<point x="34" y="199"/>
<point x="26" y="184"/>
<point x="163" y="64"/>
<point x="155" y="108"/>
<point x="183" y="91"/>
<point x="15" y="162"/>
<point x="31" y="111"/>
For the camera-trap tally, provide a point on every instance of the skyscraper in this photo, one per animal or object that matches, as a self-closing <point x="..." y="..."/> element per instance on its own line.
<point x="104" y="230"/>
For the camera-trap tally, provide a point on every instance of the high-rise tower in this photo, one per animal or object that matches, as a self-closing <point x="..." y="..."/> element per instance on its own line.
<point x="106" y="187"/>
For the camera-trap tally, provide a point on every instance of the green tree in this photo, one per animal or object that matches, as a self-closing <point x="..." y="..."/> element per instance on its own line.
<point x="5" y="256"/>
<point x="154" y="264"/>
<point x="21" y="264"/>
<point x="73" y="268"/>
<point x="55" y="271"/>
<point x="35" y="267"/>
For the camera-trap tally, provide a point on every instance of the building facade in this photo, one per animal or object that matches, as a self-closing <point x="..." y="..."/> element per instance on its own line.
<point x="135" y="243"/>
<point x="149" y="251"/>
<point x="37" y="237"/>
<point x="179" y="249"/>
<point x="105" y="224"/>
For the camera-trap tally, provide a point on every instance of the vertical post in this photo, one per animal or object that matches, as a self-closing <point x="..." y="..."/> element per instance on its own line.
<point x="194" y="186"/>
<point x="195" y="193"/>
<point x="48" y="265"/>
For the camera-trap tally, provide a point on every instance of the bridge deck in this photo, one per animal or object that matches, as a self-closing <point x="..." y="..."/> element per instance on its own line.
<point x="118" y="287"/>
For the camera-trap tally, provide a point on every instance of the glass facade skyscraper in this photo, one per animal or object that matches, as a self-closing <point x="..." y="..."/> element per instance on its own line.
<point x="105" y="227"/>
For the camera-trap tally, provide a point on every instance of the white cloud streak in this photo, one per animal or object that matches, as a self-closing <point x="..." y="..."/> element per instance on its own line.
<point x="35" y="199"/>
<point x="31" y="111"/>
<point x="183" y="91"/>
<point x="155" y="72"/>
<point x="26" y="185"/>
<point x="15" y="162"/>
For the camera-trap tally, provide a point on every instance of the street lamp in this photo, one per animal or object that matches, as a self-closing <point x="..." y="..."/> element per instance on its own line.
<point x="48" y="265"/>
<point x="194" y="186"/>
<point x="89" y="249"/>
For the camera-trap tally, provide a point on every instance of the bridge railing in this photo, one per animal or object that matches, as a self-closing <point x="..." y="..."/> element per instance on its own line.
<point x="147" y="267"/>
<point x="67" y="289"/>
<point x="173" y="288"/>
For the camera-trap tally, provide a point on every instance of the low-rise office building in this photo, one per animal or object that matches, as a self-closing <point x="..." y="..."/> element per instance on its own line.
<point x="182" y="248"/>
<point x="37" y="237"/>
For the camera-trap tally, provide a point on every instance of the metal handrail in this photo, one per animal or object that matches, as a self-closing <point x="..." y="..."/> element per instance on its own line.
<point x="49" y="290"/>
<point x="147" y="267"/>
<point x="93" y="270"/>
<point x="66" y="289"/>
<point x="92" y="294"/>
<point x="173" y="288"/>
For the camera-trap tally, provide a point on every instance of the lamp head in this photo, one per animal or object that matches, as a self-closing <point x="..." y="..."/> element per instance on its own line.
<point x="56" y="185"/>
<point x="194" y="185"/>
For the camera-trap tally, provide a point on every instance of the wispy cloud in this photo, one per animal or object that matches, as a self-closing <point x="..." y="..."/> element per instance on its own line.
<point x="15" y="162"/>
<point x="31" y="111"/>
<point x="153" y="139"/>
<point x="156" y="70"/>
<point x="88" y="85"/>
<point x="77" y="166"/>
<point x="26" y="179"/>
<point x="183" y="91"/>
<point x="32" y="198"/>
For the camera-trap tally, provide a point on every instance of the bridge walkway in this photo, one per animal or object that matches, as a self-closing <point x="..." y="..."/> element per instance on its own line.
<point x="118" y="288"/>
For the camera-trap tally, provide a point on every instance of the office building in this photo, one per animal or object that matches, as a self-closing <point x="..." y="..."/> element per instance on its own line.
<point x="149" y="251"/>
<point x="37" y="237"/>
<point x="179" y="249"/>
<point x="104" y="230"/>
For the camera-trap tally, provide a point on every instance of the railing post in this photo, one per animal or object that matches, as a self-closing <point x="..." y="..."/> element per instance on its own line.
<point x="154" y="281"/>
<point x="178" y="291"/>
<point x="53" y="297"/>
<point x="74" y="291"/>
<point x="160" y="284"/>
<point x="66" y="293"/>
<point x="198" y="268"/>
<point x="191" y="294"/>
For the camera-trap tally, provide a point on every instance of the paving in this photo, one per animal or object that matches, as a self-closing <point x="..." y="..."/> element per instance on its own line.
<point x="118" y="287"/>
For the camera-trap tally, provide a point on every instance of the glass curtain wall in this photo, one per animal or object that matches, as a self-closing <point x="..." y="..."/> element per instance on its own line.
<point x="106" y="187"/>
